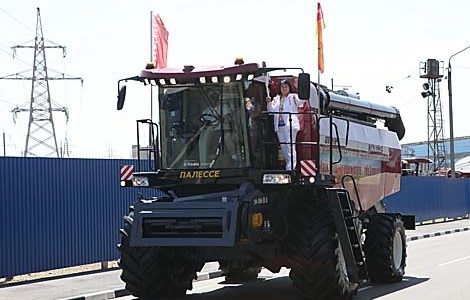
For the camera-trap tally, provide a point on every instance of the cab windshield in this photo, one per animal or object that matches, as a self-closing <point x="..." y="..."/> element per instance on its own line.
<point x="203" y="127"/>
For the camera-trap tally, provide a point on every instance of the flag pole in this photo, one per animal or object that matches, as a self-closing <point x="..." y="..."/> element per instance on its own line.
<point x="318" y="79"/>
<point x="151" y="59"/>
<point x="319" y="50"/>
<point x="320" y="108"/>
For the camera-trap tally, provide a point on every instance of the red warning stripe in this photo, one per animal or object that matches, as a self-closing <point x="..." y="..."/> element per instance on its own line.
<point x="308" y="168"/>
<point x="126" y="172"/>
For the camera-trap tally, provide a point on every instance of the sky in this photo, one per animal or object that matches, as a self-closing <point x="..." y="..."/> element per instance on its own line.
<point x="368" y="44"/>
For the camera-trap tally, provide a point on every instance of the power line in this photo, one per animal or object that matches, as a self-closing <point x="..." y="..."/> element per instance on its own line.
<point x="16" y="20"/>
<point x="408" y="102"/>
<point x="6" y="101"/>
<point x="389" y="88"/>
<point x="13" y="56"/>
<point x="6" y="52"/>
<point x="462" y="67"/>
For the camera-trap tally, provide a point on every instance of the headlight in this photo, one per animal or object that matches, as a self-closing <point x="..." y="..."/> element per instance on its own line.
<point x="140" y="181"/>
<point x="276" y="179"/>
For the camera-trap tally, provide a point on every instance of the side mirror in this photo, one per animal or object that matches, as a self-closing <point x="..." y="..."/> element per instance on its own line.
<point x="303" y="85"/>
<point x="121" y="97"/>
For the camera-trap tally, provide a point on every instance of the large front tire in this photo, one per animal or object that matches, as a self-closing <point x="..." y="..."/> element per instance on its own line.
<point x="156" y="272"/>
<point x="385" y="248"/>
<point x="319" y="270"/>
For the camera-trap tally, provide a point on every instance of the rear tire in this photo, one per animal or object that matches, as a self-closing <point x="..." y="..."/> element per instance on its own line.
<point x="156" y="272"/>
<point x="385" y="248"/>
<point x="319" y="270"/>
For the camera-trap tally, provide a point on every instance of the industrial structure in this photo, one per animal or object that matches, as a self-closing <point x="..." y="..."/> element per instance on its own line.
<point x="433" y="70"/>
<point x="41" y="138"/>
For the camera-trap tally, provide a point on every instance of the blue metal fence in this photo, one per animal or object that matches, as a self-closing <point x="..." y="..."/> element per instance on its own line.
<point x="431" y="198"/>
<point x="56" y="213"/>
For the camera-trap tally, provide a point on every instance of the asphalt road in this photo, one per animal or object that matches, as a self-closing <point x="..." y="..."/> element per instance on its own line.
<point x="73" y="286"/>
<point x="438" y="268"/>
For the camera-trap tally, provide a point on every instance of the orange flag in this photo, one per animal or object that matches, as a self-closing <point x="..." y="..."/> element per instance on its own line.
<point x="320" y="26"/>
<point x="159" y="42"/>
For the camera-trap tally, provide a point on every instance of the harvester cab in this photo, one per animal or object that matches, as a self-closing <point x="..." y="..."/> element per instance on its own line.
<point x="214" y="126"/>
<point x="227" y="193"/>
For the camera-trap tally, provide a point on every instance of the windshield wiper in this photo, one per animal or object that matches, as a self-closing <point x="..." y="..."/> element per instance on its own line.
<point x="217" y="151"/>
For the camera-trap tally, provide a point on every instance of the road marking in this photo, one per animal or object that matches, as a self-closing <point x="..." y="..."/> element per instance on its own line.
<point x="440" y="233"/>
<point x="364" y="288"/>
<point x="211" y="288"/>
<point x="454" y="261"/>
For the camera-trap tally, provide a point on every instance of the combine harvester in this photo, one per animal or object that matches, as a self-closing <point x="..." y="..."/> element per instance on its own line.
<point x="228" y="197"/>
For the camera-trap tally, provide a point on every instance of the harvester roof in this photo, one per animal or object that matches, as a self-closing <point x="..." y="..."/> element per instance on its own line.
<point x="190" y="71"/>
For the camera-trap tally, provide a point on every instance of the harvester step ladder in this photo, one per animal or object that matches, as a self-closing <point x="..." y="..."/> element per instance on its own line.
<point x="348" y="235"/>
<point x="152" y="150"/>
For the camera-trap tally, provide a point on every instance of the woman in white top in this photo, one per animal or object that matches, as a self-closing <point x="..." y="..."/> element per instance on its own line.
<point x="284" y="103"/>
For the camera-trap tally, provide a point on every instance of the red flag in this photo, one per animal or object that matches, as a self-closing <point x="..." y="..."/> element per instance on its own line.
<point x="159" y="42"/>
<point x="320" y="26"/>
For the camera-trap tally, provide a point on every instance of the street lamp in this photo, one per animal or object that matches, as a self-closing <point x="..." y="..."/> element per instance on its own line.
<point x="451" y="118"/>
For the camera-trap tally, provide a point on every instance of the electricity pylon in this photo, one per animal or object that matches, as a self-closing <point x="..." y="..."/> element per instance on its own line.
<point x="41" y="139"/>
